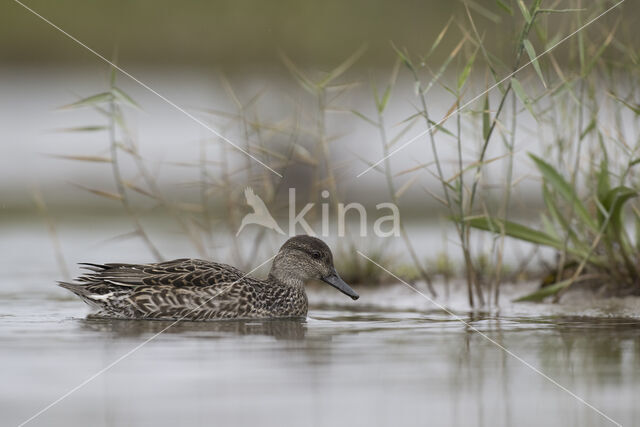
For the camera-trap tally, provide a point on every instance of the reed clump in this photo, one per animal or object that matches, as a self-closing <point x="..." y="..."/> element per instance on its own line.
<point x="573" y="96"/>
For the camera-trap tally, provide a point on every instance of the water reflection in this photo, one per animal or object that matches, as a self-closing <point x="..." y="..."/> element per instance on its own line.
<point x="282" y="329"/>
<point x="337" y="368"/>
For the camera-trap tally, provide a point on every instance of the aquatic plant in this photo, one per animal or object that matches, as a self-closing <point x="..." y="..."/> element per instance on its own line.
<point x="588" y="176"/>
<point x="355" y="269"/>
<point x="582" y="103"/>
<point x="459" y="193"/>
<point x="594" y="243"/>
<point x="567" y="99"/>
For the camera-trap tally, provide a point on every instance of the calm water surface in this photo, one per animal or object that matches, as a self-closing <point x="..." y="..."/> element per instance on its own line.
<point x="388" y="359"/>
<point x="338" y="368"/>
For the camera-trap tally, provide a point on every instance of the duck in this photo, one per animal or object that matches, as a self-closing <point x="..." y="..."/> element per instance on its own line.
<point x="195" y="289"/>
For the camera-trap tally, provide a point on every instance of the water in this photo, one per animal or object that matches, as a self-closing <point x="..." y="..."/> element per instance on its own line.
<point x="340" y="367"/>
<point x="168" y="140"/>
<point x="390" y="358"/>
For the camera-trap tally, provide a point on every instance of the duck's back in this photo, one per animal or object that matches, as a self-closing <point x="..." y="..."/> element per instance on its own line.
<point x="187" y="289"/>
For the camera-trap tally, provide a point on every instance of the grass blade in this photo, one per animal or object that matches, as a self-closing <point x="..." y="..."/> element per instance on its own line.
<point x="483" y="11"/>
<point x="304" y="81"/>
<point x="83" y="129"/>
<point x="342" y="68"/>
<point x="363" y="117"/>
<point x="558" y="183"/>
<point x="532" y="56"/>
<point x="522" y="95"/>
<point x="604" y="186"/>
<point x="514" y="230"/>
<point x="126" y="99"/>
<point x="92" y="100"/>
<point x="439" y="38"/>
<point x="462" y="79"/>
<point x="505" y="7"/>
<point x="96" y="159"/>
<point x="101" y="193"/>
<point x="486" y="118"/>
<point x="547" y="291"/>
<point x="614" y="203"/>
<point x="525" y="11"/>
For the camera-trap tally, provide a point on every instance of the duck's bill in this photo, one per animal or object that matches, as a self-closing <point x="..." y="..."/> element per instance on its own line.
<point x="334" y="280"/>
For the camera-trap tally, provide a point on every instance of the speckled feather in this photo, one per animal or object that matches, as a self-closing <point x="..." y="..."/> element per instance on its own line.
<point x="195" y="289"/>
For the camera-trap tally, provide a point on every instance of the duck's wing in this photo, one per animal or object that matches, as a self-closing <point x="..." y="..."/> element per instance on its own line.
<point x="177" y="273"/>
<point x="183" y="288"/>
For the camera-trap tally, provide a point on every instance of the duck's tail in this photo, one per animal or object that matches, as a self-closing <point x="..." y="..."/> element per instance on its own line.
<point x="77" y="288"/>
<point x="83" y="291"/>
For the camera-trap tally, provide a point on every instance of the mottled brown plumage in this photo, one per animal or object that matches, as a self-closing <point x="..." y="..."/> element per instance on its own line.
<point x="195" y="289"/>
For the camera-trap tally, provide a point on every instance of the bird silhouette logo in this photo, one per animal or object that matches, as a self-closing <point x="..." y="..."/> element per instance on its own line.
<point x="260" y="215"/>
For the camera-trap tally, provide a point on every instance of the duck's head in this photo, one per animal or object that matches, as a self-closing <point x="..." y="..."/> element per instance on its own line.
<point x="303" y="258"/>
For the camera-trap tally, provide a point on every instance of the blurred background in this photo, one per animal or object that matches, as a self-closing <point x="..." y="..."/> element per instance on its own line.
<point x="182" y="50"/>
<point x="243" y="68"/>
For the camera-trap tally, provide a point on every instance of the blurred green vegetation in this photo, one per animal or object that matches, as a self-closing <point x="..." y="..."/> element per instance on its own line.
<point x="233" y="33"/>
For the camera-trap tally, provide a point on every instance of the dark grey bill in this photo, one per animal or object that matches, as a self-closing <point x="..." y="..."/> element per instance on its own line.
<point x="334" y="280"/>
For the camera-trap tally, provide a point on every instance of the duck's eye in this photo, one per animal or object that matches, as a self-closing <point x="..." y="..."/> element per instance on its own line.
<point x="316" y="254"/>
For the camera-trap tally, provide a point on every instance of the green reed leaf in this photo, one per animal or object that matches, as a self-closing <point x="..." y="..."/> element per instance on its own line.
<point x="521" y="94"/>
<point x="515" y="230"/>
<point x="532" y="56"/>
<point x="547" y="291"/>
<point x="462" y="79"/>
<point x="525" y="11"/>
<point x="90" y="101"/>
<point x="122" y="96"/>
<point x="557" y="182"/>
<point x="486" y="118"/>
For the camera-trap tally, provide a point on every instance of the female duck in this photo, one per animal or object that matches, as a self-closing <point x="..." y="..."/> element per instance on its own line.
<point x="191" y="289"/>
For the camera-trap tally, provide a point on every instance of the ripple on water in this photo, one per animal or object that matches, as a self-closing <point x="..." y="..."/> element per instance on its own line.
<point x="389" y="358"/>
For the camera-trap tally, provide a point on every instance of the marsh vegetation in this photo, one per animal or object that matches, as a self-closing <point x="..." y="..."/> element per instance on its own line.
<point x="574" y="96"/>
